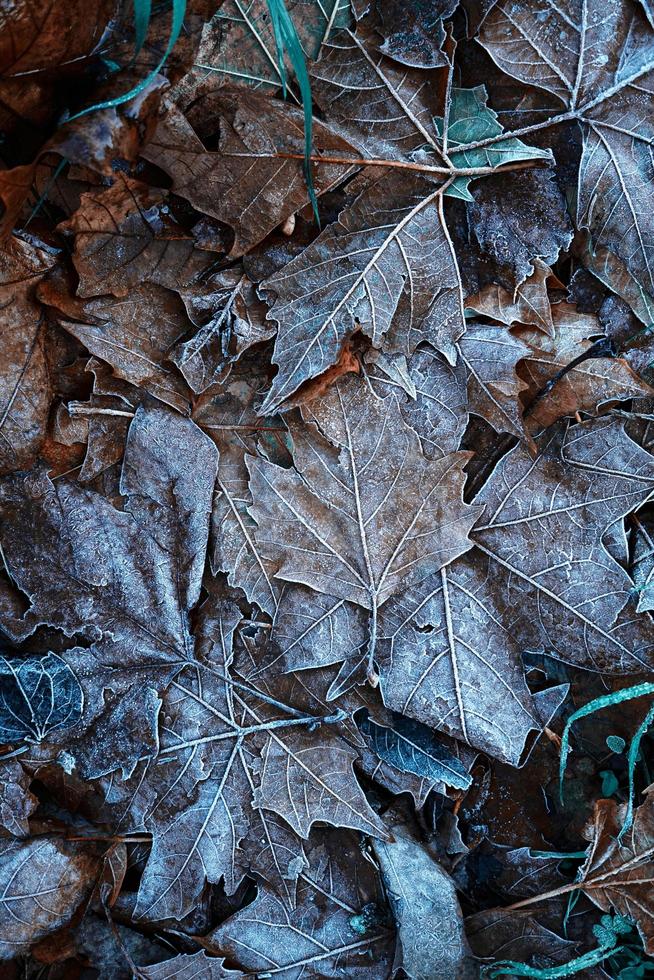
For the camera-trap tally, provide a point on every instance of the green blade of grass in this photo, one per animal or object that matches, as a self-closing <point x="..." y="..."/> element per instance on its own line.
<point x="179" y="11"/>
<point x="286" y="39"/>
<point x="142" y="14"/>
<point x="607" y="701"/>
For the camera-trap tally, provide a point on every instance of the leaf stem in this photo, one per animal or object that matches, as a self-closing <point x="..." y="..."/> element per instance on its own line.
<point x="410" y="165"/>
<point x="371" y="672"/>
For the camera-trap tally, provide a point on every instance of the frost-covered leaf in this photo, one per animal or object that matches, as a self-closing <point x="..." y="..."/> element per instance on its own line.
<point x="411" y="747"/>
<point x="582" y="387"/>
<point x="366" y="519"/>
<point x="190" y="966"/>
<point x="386" y="267"/>
<point x="124" y="236"/>
<point x="431" y="939"/>
<point x="340" y="925"/>
<point x="42" y="882"/>
<point x="254" y="133"/>
<point x="124" y="579"/>
<point x="239" y="43"/>
<point x="597" y="60"/>
<point x="528" y="304"/>
<point x="38" y="696"/>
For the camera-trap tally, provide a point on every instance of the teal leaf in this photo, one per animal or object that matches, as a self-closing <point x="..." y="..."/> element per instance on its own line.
<point x="615" y="743"/>
<point x="471" y="120"/>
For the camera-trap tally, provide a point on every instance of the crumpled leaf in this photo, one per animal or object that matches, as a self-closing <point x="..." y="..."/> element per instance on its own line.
<point x="583" y="387"/>
<point x="254" y="134"/>
<point x="619" y="873"/>
<point x="528" y="304"/>
<point x="414" y="35"/>
<point x="124" y="236"/>
<point x="136" y="336"/>
<point x="42" y="882"/>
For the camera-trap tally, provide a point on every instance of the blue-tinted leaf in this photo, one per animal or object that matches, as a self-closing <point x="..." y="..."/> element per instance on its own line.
<point x="412" y="747"/>
<point x="38" y="695"/>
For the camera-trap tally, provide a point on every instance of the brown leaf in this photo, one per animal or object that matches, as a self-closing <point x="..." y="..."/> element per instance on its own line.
<point x="619" y="873"/>
<point x="586" y="386"/>
<point x="385" y="267"/>
<point x="25" y="387"/>
<point x="253" y="133"/>
<point x="124" y="236"/>
<point x="42" y="883"/>
<point x="528" y="304"/>
<point x="37" y="36"/>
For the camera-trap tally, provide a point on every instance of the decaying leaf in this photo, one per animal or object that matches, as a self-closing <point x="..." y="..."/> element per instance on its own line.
<point x="619" y="871"/>
<point x="25" y="387"/>
<point x="610" y="94"/>
<point x="344" y="927"/>
<point x="259" y="155"/>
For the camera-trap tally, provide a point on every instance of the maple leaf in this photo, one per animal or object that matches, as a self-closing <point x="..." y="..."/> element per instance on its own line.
<point x="124" y="579"/>
<point x="609" y="94"/>
<point x="393" y="275"/>
<point x="484" y="382"/>
<point x="539" y="579"/>
<point x="135" y="334"/>
<point x="363" y="520"/>
<point x="343" y="926"/>
<point x="227" y="753"/>
<point x="124" y="236"/>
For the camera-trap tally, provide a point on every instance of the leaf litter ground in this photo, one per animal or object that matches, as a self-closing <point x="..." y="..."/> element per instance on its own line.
<point x="327" y="546"/>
